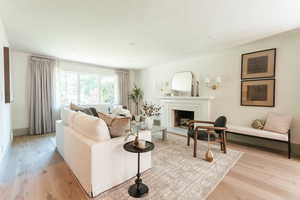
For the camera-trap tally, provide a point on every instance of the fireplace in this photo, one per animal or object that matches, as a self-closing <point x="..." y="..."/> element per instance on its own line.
<point x="182" y="117"/>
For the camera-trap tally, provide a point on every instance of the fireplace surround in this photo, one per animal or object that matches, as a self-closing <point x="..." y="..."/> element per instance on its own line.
<point x="199" y="106"/>
<point x="182" y="117"/>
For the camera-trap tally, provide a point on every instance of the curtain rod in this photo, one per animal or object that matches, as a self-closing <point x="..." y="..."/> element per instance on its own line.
<point x="43" y="57"/>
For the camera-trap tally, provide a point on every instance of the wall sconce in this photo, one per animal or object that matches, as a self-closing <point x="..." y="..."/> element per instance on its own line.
<point x="215" y="84"/>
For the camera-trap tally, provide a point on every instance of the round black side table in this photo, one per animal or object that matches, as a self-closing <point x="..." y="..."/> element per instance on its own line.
<point x="138" y="189"/>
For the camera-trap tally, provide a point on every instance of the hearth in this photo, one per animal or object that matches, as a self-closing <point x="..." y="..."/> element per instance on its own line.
<point x="182" y="117"/>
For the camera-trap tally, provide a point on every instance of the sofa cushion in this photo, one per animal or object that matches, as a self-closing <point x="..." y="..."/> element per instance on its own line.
<point x="65" y="114"/>
<point x="71" y="117"/>
<point x="277" y="122"/>
<point x="91" y="127"/>
<point x="117" y="125"/>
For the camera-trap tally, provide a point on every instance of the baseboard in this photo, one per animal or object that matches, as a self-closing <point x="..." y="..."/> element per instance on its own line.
<point x="279" y="146"/>
<point x="20" y="131"/>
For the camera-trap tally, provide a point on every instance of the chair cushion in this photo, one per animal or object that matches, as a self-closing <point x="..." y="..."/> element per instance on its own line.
<point x="91" y="127"/>
<point x="202" y="135"/>
<point x="277" y="122"/>
<point x="220" y="122"/>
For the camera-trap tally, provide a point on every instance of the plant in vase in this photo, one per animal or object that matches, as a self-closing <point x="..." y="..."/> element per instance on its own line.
<point x="136" y="96"/>
<point x="149" y="111"/>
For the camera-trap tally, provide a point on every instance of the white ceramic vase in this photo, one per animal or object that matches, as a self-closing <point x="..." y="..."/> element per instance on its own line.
<point x="149" y="122"/>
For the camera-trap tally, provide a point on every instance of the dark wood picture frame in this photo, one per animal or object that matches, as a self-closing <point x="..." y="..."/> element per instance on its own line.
<point x="259" y="64"/>
<point x="7" y="77"/>
<point x="268" y="99"/>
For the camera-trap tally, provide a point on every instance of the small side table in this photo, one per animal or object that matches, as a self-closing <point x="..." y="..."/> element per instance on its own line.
<point x="138" y="189"/>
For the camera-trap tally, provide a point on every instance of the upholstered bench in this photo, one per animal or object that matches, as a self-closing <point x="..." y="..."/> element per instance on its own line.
<point x="258" y="133"/>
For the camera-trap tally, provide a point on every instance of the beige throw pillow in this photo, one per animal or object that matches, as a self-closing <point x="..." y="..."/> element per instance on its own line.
<point x="107" y="118"/>
<point x="279" y="123"/>
<point x="117" y="125"/>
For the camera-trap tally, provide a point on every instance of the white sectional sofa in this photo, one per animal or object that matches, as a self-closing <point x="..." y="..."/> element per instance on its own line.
<point x="98" y="164"/>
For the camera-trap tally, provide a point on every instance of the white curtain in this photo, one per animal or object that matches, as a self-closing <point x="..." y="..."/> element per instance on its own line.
<point x="41" y="96"/>
<point x="123" y="83"/>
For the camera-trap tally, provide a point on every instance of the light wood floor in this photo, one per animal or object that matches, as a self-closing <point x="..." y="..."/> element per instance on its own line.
<point x="33" y="170"/>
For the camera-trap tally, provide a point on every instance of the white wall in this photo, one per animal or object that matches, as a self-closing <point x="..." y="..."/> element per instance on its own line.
<point x="5" y="117"/>
<point x="227" y="64"/>
<point x="19" y="61"/>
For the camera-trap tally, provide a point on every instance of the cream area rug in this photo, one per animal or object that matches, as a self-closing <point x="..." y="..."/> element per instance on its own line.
<point x="176" y="174"/>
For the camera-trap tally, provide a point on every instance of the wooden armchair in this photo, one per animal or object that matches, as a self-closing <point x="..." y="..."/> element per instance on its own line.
<point x="216" y="129"/>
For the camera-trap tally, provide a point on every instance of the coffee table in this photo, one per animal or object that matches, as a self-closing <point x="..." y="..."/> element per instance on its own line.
<point x="138" y="189"/>
<point x="163" y="130"/>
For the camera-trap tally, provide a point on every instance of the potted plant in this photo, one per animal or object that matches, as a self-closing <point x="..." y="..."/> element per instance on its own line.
<point x="149" y="111"/>
<point x="136" y="96"/>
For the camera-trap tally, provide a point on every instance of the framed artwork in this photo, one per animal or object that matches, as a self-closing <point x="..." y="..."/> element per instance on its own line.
<point x="259" y="64"/>
<point x="258" y="93"/>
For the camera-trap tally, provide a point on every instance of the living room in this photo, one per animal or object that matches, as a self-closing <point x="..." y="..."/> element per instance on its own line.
<point x="151" y="100"/>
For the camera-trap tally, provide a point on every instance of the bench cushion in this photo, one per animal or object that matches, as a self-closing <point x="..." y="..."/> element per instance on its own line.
<point x="243" y="130"/>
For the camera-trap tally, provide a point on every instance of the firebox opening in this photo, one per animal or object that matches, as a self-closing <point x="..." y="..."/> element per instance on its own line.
<point x="182" y="117"/>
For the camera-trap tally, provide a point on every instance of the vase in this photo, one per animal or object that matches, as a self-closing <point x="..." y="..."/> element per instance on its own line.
<point x="136" y="141"/>
<point x="149" y="122"/>
<point x="138" y="118"/>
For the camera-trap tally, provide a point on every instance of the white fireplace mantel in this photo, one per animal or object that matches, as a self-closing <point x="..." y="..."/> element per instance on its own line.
<point x="185" y="98"/>
<point x="199" y="105"/>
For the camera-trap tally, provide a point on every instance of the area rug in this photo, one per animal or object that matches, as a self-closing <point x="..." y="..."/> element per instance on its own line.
<point x="176" y="174"/>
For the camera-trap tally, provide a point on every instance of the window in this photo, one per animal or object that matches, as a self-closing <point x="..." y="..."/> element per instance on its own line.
<point x="89" y="89"/>
<point x="68" y="87"/>
<point x="108" y="90"/>
<point x="86" y="89"/>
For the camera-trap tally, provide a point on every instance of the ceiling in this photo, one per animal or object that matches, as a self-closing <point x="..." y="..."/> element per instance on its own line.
<point x="141" y="33"/>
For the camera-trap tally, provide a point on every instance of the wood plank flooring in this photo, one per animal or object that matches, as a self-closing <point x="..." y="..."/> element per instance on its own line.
<point x="33" y="170"/>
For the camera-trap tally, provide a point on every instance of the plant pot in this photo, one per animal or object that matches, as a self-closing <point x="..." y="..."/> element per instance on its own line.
<point x="149" y="123"/>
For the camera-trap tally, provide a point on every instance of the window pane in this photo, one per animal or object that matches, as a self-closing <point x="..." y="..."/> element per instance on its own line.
<point x="89" y="89"/>
<point x="68" y="87"/>
<point x="108" y="90"/>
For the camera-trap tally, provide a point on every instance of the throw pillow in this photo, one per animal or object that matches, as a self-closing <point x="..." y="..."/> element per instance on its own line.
<point x="75" y="107"/>
<point x="277" y="122"/>
<point x="94" y="111"/>
<point x="117" y="125"/>
<point x="107" y="118"/>
<point x="85" y="110"/>
<point x="258" y="124"/>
